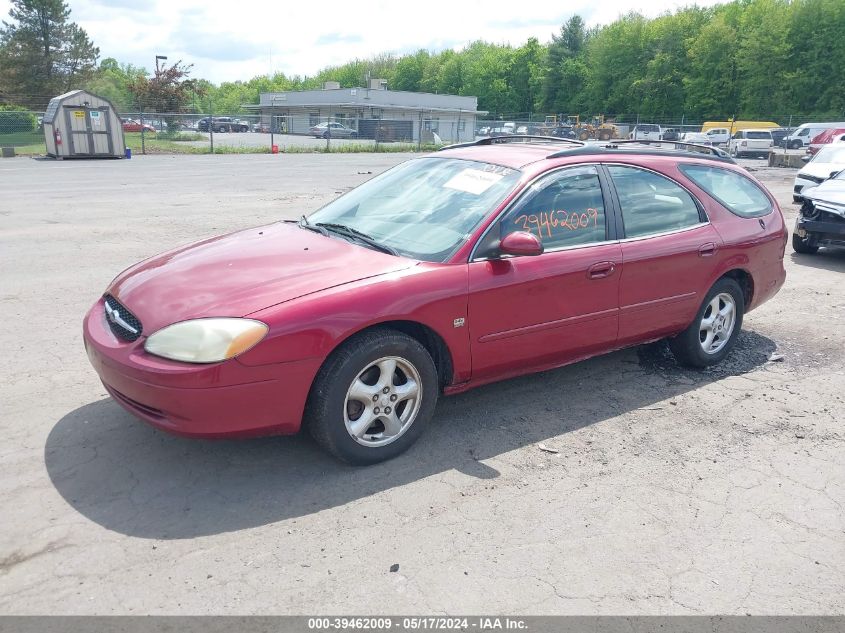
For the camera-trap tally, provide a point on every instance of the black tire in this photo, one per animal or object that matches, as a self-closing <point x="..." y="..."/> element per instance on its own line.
<point x="687" y="346"/>
<point x="353" y="135"/>
<point x="802" y="245"/>
<point x="797" y="199"/>
<point x="795" y="144"/>
<point x="325" y="414"/>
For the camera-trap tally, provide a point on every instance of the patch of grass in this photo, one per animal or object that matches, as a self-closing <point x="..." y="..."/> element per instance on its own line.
<point x="22" y="139"/>
<point x="360" y="148"/>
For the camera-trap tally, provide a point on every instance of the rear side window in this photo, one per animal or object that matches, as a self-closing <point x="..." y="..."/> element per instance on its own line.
<point x="734" y="191"/>
<point x="651" y="203"/>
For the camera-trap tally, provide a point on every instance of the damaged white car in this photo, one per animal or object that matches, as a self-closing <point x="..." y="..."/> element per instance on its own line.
<point x="821" y="220"/>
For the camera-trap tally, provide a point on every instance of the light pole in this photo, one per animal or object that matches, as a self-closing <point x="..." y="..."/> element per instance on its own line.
<point x="272" y="109"/>
<point x="158" y="72"/>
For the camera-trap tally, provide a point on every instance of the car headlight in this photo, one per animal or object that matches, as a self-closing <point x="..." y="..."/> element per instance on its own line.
<point x="206" y="340"/>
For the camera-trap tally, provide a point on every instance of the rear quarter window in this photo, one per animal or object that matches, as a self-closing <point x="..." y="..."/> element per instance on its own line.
<point x="737" y="193"/>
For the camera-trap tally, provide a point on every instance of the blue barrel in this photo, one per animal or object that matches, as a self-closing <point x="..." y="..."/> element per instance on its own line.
<point x="128" y="153"/>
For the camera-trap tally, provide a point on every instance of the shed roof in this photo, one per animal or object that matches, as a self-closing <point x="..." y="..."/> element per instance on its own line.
<point x="56" y="102"/>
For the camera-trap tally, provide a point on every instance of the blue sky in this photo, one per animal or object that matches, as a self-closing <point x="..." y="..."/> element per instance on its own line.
<point x="226" y="41"/>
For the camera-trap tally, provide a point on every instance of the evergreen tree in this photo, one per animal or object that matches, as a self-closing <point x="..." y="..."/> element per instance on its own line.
<point x="42" y="53"/>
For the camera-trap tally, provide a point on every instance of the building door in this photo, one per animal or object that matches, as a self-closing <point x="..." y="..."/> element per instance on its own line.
<point x="89" y="131"/>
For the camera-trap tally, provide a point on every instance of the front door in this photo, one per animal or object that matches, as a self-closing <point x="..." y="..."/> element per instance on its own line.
<point x="527" y="312"/>
<point x="90" y="131"/>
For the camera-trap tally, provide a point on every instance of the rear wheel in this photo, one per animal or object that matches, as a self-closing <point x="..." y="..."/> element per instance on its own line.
<point x="713" y="332"/>
<point x="803" y="245"/>
<point x="372" y="397"/>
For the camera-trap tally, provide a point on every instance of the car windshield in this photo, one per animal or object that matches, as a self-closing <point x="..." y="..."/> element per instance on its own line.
<point x="831" y="154"/>
<point x="424" y="208"/>
<point x="760" y="135"/>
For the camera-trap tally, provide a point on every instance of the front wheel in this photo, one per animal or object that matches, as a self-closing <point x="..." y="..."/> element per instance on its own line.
<point x="802" y="245"/>
<point x="373" y="397"/>
<point x="715" y="328"/>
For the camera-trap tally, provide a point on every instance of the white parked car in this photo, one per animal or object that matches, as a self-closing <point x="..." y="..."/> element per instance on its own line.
<point x="829" y="160"/>
<point x="745" y="142"/>
<point x="695" y="137"/>
<point x="645" y="132"/>
<point x="718" y="135"/>
<point x="805" y="133"/>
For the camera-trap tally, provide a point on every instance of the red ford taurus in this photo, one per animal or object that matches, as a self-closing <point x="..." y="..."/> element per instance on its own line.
<point x="477" y="263"/>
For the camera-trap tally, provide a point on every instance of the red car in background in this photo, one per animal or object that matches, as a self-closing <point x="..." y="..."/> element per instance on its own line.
<point x="135" y="126"/>
<point x="484" y="261"/>
<point x="826" y="137"/>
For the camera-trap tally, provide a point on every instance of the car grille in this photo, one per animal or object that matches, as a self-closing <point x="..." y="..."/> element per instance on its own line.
<point x="122" y="322"/>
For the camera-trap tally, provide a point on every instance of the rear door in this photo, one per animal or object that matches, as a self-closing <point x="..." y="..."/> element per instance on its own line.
<point x="549" y="309"/>
<point x="668" y="253"/>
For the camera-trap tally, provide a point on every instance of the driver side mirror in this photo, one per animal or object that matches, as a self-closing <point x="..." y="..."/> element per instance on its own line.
<point x="521" y="243"/>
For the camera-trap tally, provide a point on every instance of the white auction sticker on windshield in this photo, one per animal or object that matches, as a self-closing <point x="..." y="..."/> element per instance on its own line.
<point x="473" y="181"/>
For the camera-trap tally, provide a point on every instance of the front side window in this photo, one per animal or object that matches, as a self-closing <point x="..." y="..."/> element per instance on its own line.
<point x="735" y="192"/>
<point x="563" y="209"/>
<point x="424" y="208"/>
<point x="651" y="203"/>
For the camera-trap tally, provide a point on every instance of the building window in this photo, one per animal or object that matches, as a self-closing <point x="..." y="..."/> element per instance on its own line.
<point x="432" y="125"/>
<point x="313" y="118"/>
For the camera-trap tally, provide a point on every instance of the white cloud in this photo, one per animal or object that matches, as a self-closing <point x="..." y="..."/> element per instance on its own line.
<point x="226" y="41"/>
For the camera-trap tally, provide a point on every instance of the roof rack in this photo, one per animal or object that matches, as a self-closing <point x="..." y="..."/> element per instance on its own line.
<point x="490" y="140"/>
<point x="697" y="147"/>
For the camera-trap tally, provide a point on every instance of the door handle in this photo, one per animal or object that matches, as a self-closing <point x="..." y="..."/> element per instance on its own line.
<point x="601" y="270"/>
<point x="706" y="250"/>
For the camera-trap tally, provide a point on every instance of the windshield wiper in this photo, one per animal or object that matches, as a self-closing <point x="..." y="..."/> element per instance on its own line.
<point x="303" y="223"/>
<point x="348" y="231"/>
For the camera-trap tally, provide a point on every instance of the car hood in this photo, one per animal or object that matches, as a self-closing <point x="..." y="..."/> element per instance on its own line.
<point x="830" y="195"/>
<point x="237" y="274"/>
<point x="820" y="170"/>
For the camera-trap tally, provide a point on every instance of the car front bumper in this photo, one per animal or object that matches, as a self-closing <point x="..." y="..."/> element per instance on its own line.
<point x="215" y="400"/>
<point x="824" y="231"/>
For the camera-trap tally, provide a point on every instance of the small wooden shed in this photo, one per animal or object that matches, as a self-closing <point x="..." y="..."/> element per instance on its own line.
<point x="81" y="124"/>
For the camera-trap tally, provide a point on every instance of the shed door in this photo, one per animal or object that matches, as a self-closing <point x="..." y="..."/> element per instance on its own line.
<point x="90" y="131"/>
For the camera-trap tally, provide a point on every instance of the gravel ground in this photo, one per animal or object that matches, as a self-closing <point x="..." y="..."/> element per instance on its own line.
<point x="671" y="491"/>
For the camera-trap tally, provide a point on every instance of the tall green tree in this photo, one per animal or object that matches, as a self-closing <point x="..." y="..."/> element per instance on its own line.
<point x="43" y="53"/>
<point x="113" y="80"/>
<point x="563" y="78"/>
<point x="817" y="37"/>
<point x="764" y="58"/>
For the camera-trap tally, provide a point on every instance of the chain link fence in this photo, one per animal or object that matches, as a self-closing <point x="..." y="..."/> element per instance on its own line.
<point x="198" y="133"/>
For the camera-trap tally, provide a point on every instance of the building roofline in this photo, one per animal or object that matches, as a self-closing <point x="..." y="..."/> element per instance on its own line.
<point x="407" y="92"/>
<point x="355" y="104"/>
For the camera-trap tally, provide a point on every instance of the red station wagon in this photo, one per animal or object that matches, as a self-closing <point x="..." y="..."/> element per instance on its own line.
<point x="477" y="263"/>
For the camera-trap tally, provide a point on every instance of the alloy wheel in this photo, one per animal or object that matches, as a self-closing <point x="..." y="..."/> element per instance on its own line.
<point x="717" y="323"/>
<point x="383" y="401"/>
